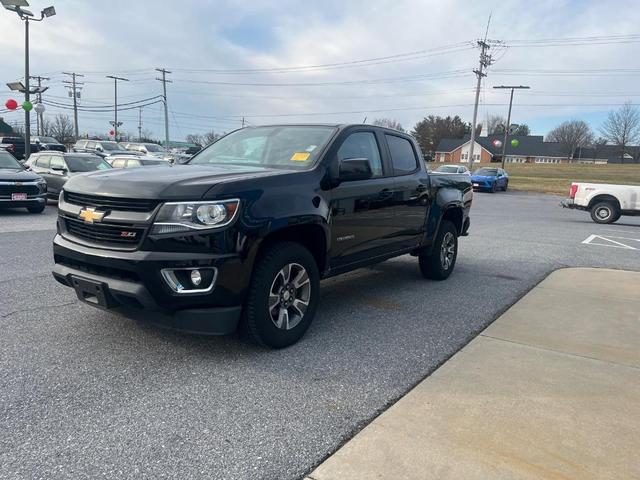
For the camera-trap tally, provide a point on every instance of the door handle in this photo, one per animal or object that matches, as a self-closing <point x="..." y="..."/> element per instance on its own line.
<point x="385" y="192"/>
<point x="421" y="188"/>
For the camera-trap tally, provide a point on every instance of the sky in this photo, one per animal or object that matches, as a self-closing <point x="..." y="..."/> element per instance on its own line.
<point x="290" y="61"/>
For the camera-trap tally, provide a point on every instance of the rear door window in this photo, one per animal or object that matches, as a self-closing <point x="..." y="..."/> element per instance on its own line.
<point x="118" y="163"/>
<point x="57" y="162"/>
<point x="362" y="145"/>
<point x="403" y="156"/>
<point x="43" y="161"/>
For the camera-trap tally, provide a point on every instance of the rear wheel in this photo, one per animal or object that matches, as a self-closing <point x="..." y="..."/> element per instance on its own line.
<point x="605" y="212"/>
<point x="439" y="263"/>
<point x="506" y="185"/>
<point x="38" y="209"/>
<point x="283" y="296"/>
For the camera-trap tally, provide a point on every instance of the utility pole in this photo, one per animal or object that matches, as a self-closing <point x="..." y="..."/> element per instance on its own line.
<point x="140" y="124"/>
<point x="166" y="108"/>
<point x="39" y="115"/>
<point x="75" y="87"/>
<point x="115" y="123"/>
<point x="507" y="127"/>
<point x="485" y="61"/>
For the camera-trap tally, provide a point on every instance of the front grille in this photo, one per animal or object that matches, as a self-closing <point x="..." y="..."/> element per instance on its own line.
<point x="7" y="190"/>
<point x="110" y="203"/>
<point x="109" y="235"/>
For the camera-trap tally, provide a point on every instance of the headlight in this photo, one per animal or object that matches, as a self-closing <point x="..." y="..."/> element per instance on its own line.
<point x="175" y="217"/>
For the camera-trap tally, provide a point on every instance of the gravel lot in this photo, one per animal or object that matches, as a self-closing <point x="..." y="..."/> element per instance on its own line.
<point x="84" y="393"/>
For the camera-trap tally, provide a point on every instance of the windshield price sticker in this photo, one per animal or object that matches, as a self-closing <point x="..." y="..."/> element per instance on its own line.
<point x="300" y="157"/>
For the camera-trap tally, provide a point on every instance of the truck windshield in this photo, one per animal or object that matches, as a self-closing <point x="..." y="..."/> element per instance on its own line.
<point x="7" y="161"/>
<point x="296" y="147"/>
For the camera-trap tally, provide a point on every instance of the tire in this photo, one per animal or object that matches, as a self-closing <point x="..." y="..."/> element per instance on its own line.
<point x="439" y="263"/>
<point x="605" y="212"/>
<point x="38" y="209"/>
<point x="274" y="291"/>
<point x="494" y="187"/>
<point x="506" y="186"/>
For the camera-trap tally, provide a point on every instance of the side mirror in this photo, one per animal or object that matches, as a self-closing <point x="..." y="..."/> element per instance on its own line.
<point x="99" y="149"/>
<point x="353" y="169"/>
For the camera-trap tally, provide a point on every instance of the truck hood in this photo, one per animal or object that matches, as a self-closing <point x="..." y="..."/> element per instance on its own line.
<point x="180" y="182"/>
<point x="17" y="175"/>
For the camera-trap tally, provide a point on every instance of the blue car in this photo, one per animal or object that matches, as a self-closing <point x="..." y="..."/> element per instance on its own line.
<point x="491" y="179"/>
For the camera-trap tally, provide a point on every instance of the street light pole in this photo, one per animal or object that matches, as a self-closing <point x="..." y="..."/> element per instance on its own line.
<point x="26" y="16"/>
<point x="27" y="112"/>
<point x="508" y="125"/>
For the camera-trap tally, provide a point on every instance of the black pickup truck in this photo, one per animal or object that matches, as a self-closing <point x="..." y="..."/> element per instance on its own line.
<point x="243" y="233"/>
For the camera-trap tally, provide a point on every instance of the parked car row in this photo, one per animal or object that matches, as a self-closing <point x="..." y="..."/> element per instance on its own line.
<point x="16" y="146"/>
<point x="489" y="179"/>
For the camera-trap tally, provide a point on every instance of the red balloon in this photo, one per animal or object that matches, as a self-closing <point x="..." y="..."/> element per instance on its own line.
<point x="11" y="104"/>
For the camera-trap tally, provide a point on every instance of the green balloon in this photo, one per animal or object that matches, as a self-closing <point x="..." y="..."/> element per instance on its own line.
<point x="27" y="106"/>
<point x="515" y="143"/>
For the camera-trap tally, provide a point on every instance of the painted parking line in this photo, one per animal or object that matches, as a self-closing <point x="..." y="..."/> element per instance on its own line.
<point x="614" y="241"/>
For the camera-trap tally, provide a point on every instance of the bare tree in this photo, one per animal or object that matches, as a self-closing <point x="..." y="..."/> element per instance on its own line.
<point x="62" y="129"/>
<point x="622" y="127"/>
<point x="388" y="123"/>
<point x="210" y="137"/>
<point x="195" y="138"/>
<point x="495" y="124"/>
<point x="18" y="129"/>
<point x="571" y="135"/>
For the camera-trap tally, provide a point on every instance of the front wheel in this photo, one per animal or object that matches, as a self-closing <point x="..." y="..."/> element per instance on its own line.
<point x="604" y="212"/>
<point x="283" y="295"/>
<point x="439" y="263"/>
<point x="494" y="187"/>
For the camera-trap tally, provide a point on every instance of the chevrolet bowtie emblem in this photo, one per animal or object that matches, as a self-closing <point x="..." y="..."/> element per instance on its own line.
<point x="89" y="215"/>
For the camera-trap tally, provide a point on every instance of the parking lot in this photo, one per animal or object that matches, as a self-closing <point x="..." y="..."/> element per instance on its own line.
<point x="85" y="393"/>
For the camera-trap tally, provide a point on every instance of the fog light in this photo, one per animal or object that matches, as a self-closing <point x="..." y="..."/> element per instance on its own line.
<point x="196" y="278"/>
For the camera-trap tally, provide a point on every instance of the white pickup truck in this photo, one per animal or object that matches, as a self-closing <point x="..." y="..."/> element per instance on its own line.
<point x="606" y="203"/>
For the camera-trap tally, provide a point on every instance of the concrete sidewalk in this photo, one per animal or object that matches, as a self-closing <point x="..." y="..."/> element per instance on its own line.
<point x="551" y="390"/>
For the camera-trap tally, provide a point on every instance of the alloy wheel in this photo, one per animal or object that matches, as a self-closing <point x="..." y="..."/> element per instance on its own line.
<point x="289" y="296"/>
<point x="447" y="250"/>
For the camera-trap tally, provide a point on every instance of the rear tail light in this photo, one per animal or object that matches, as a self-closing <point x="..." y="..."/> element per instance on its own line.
<point x="573" y="191"/>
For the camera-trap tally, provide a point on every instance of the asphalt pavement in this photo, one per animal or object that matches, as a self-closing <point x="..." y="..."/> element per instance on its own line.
<point x="86" y="394"/>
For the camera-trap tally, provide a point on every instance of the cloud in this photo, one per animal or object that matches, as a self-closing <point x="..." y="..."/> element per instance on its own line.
<point x="192" y="38"/>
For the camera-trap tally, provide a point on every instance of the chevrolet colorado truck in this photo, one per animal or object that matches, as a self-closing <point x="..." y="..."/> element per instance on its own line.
<point x="606" y="203"/>
<point x="241" y="235"/>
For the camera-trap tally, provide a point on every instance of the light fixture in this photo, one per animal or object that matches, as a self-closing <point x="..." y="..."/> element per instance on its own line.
<point x="14" y="3"/>
<point x="49" y="12"/>
<point x="19" y="86"/>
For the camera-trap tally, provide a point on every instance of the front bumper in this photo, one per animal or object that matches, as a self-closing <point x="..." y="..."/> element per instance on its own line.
<point x="481" y="184"/>
<point x="31" y="201"/>
<point x="130" y="283"/>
